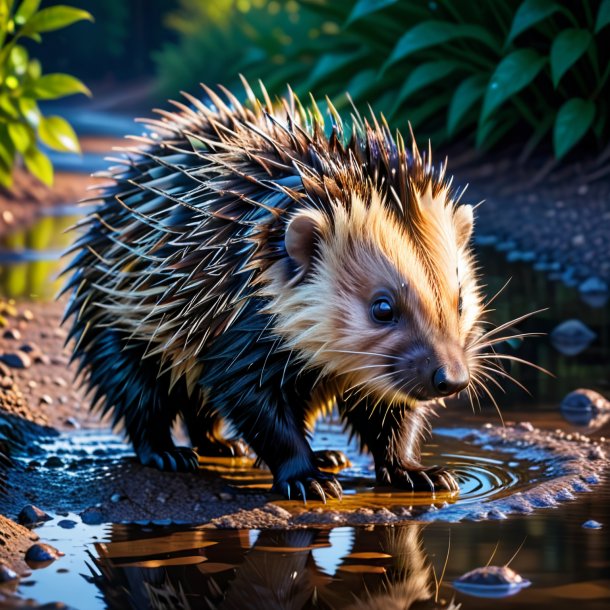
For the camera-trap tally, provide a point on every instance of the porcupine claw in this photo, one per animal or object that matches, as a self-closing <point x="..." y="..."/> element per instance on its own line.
<point x="317" y="488"/>
<point x="301" y="487"/>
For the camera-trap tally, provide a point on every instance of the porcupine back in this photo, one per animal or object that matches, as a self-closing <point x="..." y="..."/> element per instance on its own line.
<point x="172" y="255"/>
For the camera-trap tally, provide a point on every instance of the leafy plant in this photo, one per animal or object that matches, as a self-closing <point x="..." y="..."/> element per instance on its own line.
<point x="486" y="71"/>
<point x="23" y="127"/>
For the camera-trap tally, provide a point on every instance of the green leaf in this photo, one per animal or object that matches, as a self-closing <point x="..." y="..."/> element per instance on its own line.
<point x="26" y="9"/>
<point x="57" y="133"/>
<point x="20" y="135"/>
<point x="466" y="95"/>
<point x="39" y="165"/>
<point x="7" y="148"/>
<point x="366" y="7"/>
<point x="572" y="122"/>
<point x="424" y="75"/>
<point x="529" y="14"/>
<point x="19" y="59"/>
<point x="603" y="16"/>
<point x="329" y="64"/>
<point x="52" y="86"/>
<point x="431" y="33"/>
<point x="567" y="47"/>
<point x="7" y="106"/>
<point x="29" y="111"/>
<point x="55" y="18"/>
<point x="512" y="74"/>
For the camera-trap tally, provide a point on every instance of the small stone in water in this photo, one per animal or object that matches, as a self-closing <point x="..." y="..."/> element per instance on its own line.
<point x="31" y="515"/>
<point x="54" y="462"/>
<point x="41" y="555"/>
<point x="491" y="582"/>
<point x="92" y="516"/>
<point x="67" y="524"/>
<point x="592" y="525"/>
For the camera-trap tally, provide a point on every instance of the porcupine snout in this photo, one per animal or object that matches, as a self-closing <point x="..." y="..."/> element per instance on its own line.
<point x="434" y="372"/>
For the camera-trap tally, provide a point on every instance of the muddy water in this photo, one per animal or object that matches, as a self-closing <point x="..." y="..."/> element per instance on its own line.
<point x="163" y="565"/>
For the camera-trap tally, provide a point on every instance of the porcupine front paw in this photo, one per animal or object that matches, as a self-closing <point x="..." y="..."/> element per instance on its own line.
<point x="176" y="459"/>
<point x="223" y="447"/>
<point x="331" y="459"/>
<point x="312" y="484"/>
<point x="418" y="478"/>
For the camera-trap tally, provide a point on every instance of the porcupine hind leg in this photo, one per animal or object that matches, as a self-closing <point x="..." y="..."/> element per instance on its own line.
<point x="394" y="437"/>
<point x="205" y="428"/>
<point x="130" y="386"/>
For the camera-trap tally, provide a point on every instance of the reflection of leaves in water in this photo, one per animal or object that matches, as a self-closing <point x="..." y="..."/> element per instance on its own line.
<point x="36" y="274"/>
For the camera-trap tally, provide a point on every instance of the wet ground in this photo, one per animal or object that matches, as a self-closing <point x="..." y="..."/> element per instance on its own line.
<point x="136" y="538"/>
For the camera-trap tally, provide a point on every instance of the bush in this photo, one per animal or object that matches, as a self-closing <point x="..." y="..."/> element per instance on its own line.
<point x="23" y="127"/>
<point x="484" y="72"/>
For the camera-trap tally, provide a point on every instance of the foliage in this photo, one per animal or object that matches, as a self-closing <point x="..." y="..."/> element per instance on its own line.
<point x="23" y="127"/>
<point x="453" y="68"/>
<point x="217" y="40"/>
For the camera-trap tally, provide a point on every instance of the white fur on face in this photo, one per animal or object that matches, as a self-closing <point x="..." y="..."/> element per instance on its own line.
<point x="362" y="250"/>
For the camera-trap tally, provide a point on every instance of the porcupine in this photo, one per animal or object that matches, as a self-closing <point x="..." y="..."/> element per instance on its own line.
<point x="252" y="264"/>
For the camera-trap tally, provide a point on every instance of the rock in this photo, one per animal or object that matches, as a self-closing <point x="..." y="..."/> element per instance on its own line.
<point x="571" y="337"/>
<point x="45" y="399"/>
<point x="31" y="515"/>
<point x="584" y="407"/>
<point x="596" y="453"/>
<point x="60" y="381"/>
<point x="594" y="292"/>
<point x="54" y="462"/>
<point x="71" y="422"/>
<point x="27" y="315"/>
<point x="6" y="574"/>
<point x="30" y="348"/>
<point x="40" y="555"/>
<point x="17" y="360"/>
<point x="92" y="516"/>
<point x="8" y="218"/>
<point x="42" y="359"/>
<point x="592" y="525"/>
<point x="12" y="333"/>
<point x="67" y="524"/>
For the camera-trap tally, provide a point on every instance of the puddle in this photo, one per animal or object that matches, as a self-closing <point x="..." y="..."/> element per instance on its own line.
<point x="171" y="565"/>
<point x="153" y="566"/>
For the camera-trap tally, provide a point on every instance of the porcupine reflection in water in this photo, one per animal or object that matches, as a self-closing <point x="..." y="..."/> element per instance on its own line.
<point x="271" y="570"/>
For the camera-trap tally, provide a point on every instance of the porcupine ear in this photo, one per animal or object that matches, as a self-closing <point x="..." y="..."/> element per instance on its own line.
<point x="463" y="218"/>
<point x="302" y="233"/>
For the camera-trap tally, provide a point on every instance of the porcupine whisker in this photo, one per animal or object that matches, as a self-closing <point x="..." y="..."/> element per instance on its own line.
<point x="497" y="340"/>
<point x="497" y="294"/>
<point x="512" y="322"/>
<point x="481" y="373"/>
<point x="483" y="387"/>
<point x="494" y="356"/>
<point x="500" y="371"/>
<point x="341" y="351"/>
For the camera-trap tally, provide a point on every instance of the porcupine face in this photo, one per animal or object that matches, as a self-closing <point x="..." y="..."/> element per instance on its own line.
<point x="388" y="310"/>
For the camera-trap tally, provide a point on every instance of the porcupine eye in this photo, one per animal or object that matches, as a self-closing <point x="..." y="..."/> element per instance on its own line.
<point x="382" y="311"/>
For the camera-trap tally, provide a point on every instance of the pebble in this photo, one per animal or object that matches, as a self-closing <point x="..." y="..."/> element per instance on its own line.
<point x="6" y="382"/>
<point x="571" y="337"/>
<point x="63" y="399"/>
<point x="71" y="422"/>
<point x="46" y="399"/>
<point x="60" y="381"/>
<point x="42" y="359"/>
<point x="116" y="498"/>
<point x="17" y="360"/>
<point x="54" y="462"/>
<point x="30" y="515"/>
<point x="92" y="516"/>
<point x="592" y="525"/>
<point x="67" y="524"/>
<point x="8" y="217"/>
<point x="6" y="574"/>
<point x="12" y="333"/>
<point x="41" y="553"/>
<point x="32" y="384"/>
<point x="223" y="495"/>
<point x="27" y="315"/>
<point x="596" y="453"/>
<point x="30" y="348"/>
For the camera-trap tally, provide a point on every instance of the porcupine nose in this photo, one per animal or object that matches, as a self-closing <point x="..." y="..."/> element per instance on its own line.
<point x="449" y="381"/>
